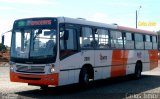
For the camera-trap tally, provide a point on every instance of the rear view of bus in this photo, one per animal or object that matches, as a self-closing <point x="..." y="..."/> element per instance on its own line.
<point x="33" y="51"/>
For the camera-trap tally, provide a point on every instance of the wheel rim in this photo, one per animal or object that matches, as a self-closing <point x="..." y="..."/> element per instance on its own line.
<point x="138" y="73"/>
<point x="86" y="78"/>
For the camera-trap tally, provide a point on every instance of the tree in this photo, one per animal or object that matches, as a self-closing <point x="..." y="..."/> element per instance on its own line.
<point x="3" y="48"/>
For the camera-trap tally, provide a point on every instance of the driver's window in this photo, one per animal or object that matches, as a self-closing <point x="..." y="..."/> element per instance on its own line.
<point x="71" y="42"/>
<point x="68" y="42"/>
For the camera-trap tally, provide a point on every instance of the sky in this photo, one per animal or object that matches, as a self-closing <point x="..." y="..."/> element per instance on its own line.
<point x="121" y="12"/>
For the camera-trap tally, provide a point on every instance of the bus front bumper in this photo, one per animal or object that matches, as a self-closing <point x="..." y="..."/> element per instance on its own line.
<point x="39" y="80"/>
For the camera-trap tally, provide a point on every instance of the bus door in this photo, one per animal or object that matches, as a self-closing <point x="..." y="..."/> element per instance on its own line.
<point x="69" y="54"/>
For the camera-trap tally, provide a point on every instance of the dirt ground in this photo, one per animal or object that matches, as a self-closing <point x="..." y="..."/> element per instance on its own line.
<point x="4" y="58"/>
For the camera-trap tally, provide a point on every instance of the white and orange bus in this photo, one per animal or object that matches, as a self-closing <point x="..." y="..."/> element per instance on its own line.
<point x="61" y="51"/>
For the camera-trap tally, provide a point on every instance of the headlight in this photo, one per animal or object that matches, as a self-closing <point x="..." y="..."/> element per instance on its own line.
<point x="52" y="68"/>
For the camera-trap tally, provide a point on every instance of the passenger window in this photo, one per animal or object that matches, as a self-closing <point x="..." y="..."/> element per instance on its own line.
<point x="139" y="41"/>
<point x="154" y="41"/>
<point x="86" y="37"/>
<point x="148" y="39"/>
<point x="102" y="38"/>
<point x="128" y="41"/>
<point x="116" y="39"/>
<point x="148" y="43"/>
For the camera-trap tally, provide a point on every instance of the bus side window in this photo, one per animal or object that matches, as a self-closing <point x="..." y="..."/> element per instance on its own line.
<point x="86" y="37"/>
<point x="139" y="41"/>
<point x="128" y="41"/>
<point x="148" y="43"/>
<point x="102" y="38"/>
<point x="116" y="39"/>
<point x="154" y="41"/>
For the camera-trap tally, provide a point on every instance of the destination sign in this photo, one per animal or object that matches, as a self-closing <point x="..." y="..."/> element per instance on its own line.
<point x="35" y="23"/>
<point x="41" y="22"/>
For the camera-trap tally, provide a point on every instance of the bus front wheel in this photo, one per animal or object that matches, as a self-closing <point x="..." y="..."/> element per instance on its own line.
<point x="84" y="78"/>
<point x="44" y="87"/>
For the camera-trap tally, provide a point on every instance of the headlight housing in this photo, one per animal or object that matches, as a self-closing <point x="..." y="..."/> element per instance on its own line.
<point x="12" y="66"/>
<point x="51" y="68"/>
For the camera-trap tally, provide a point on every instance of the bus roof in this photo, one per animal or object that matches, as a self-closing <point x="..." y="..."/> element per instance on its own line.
<point x="135" y="30"/>
<point x="85" y="22"/>
<point x="96" y="24"/>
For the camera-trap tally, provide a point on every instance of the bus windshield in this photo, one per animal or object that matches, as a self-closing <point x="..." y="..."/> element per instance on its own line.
<point x="33" y="43"/>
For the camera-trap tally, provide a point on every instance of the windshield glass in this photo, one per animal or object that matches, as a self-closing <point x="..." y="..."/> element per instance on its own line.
<point x="35" y="43"/>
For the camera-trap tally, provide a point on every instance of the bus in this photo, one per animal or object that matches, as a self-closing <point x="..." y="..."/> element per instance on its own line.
<point x="57" y="51"/>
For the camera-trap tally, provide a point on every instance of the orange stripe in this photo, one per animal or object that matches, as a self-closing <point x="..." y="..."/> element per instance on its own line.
<point x="153" y="57"/>
<point x="119" y="61"/>
<point x="125" y="58"/>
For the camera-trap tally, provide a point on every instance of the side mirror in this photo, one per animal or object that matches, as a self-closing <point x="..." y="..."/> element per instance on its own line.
<point x="2" y="39"/>
<point x="39" y="32"/>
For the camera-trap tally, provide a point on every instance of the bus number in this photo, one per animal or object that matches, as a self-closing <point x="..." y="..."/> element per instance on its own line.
<point x="86" y="58"/>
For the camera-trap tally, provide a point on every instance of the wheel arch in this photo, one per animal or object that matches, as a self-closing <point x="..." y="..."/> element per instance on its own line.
<point x="90" y="70"/>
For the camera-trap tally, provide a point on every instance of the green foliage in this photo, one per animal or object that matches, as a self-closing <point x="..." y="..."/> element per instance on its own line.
<point x="3" y="48"/>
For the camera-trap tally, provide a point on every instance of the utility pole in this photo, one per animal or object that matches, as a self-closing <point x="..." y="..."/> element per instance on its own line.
<point x="136" y="19"/>
<point x="137" y="12"/>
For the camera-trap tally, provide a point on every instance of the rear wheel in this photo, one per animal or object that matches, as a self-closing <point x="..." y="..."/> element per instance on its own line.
<point x="138" y="70"/>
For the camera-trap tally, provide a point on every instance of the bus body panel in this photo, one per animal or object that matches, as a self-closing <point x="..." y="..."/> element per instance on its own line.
<point x="102" y="63"/>
<point x="146" y="62"/>
<point x="153" y="56"/>
<point x="70" y="67"/>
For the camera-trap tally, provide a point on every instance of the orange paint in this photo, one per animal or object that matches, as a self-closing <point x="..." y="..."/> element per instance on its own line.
<point x="44" y="79"/>
<point x="119" y="61"/>
<point x="153" y="57"/>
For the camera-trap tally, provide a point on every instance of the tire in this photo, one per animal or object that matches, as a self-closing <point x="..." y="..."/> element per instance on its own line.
<point x="44" y="87"/>
<point x="84" y="78"/>
<point x="138" y="70"/>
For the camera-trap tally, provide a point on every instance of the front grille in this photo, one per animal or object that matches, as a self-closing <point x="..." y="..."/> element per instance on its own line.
<point x="30" y="69"/>
<point x="26" y="78"/>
